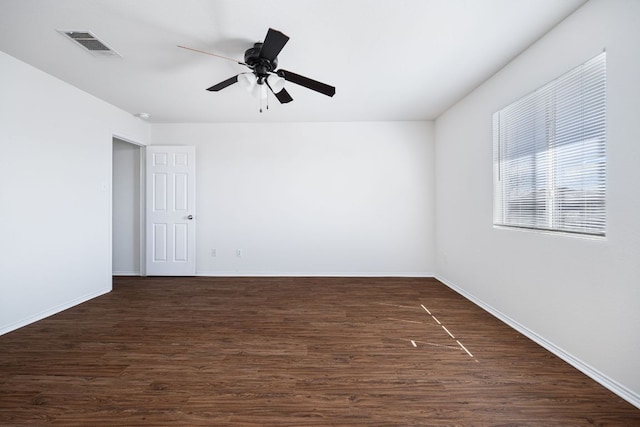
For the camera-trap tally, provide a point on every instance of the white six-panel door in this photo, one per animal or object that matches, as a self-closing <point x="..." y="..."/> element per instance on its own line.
<point x="170" y="211"/>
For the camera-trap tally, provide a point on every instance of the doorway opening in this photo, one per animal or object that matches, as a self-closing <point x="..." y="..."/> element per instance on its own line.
<point x="127" y="209"/>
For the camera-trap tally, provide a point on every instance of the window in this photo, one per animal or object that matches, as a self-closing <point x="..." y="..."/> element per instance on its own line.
<point x="549" y="155"/>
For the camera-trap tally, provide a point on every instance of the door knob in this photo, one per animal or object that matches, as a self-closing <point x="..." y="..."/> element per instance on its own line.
<point x="190" y="217"/>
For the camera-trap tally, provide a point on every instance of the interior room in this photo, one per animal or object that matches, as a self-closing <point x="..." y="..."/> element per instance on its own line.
<point x="390" y="178"/>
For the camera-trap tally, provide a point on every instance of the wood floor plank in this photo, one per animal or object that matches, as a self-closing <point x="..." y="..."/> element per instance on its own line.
<point x="289" y="352"/>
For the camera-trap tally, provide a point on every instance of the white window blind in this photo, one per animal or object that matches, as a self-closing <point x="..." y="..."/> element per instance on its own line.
<point x="549" y="155"/>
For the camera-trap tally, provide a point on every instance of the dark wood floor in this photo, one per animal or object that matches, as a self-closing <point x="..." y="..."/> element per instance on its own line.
<point x="289" y="352"/>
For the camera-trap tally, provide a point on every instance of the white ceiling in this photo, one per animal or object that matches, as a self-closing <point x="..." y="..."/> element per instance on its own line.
<point x="389" y="59"/>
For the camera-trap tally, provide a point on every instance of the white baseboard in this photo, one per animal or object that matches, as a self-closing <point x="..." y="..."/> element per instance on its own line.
<point x="51" y="311"/>
<point x="125" y="273"/>
<point x="594" y="374"/>
<point x="310" y="274"/>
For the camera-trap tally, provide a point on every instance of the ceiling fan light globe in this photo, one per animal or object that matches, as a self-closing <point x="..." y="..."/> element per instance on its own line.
<point x="248" y="80"/>
<point x="276" y="82"/>
<point x="257" y="91"/>
<point x="260" y="91"/>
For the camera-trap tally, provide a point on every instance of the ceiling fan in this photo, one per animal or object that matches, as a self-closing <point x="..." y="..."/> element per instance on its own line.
<point x="262" y="60"/>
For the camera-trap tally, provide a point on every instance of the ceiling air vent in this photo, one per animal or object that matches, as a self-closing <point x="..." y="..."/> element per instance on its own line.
<point x="90" y="42"/>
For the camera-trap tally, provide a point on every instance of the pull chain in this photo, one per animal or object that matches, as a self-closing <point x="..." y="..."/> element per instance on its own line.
<point x="267" y="99"/>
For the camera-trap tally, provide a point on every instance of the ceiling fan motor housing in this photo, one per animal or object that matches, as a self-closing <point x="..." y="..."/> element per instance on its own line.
<point x="260" y="65"/>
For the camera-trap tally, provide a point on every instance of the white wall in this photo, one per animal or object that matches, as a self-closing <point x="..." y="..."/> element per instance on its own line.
<point x="126" y="208"/>
<point x="578" y="296"/>
<point x="312" y="198"/>
<point x="55" y="197"/>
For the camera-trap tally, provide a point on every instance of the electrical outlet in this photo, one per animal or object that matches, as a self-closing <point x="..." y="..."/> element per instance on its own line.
<point x="213" y="253"/>
<point x="239" y="253"/>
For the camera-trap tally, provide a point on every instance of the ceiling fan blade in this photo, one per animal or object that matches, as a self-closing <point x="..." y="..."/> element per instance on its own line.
<point x="273" y="44"/>
<point x="222" y="85"/>
<point x="212" y="54"/>
<point x="307" y="82"/>
<point x="283" y="96"/>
